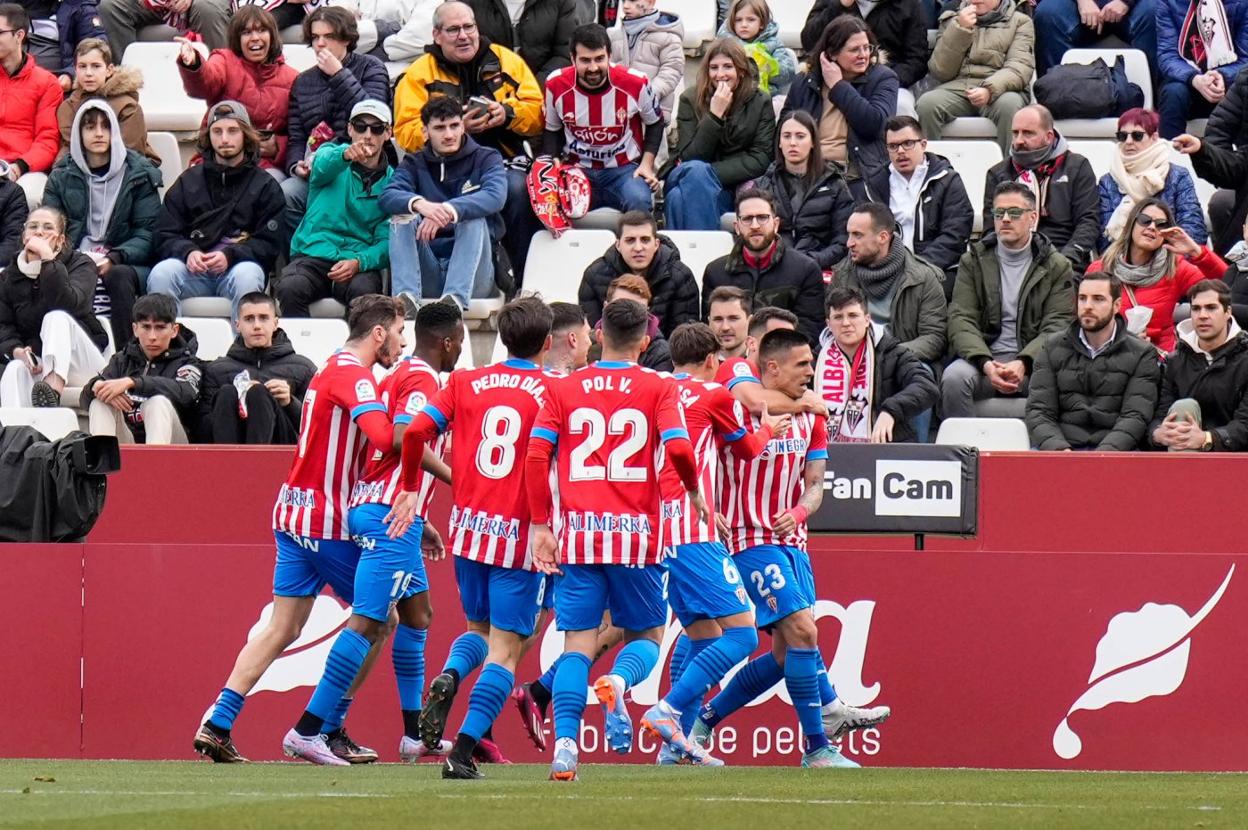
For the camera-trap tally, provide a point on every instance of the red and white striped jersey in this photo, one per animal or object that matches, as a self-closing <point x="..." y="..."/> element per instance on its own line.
<point x="606" y="127"/>
<point x="607" y="423"/>
<point x="754" y="491"/>
<point x="715" y="419"/>
<point x="736" y="370"/>
<point x="492" y="410"/>
<point x="331" y="451"/>
<point x="404" y="391"/>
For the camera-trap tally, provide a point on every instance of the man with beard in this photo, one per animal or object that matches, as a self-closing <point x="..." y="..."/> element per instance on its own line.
<point x="221" y="226"/>
<point x="766" y="268"/>
<point x="1063" y="183"/>
<point x="1094" y="386"/>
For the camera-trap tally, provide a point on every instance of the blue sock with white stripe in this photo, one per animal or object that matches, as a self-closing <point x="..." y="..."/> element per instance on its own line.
<point x="801" y="678"/>
<point x="758" y="675"/>
<point x="711" y="659"/>
<point x="408" y="654"/>
<point x="467" y="653"/>
<point x="345" y="658"/>
<point x="489" y="694"/>
<point x="635" y="661"/>
<point x="225" y="710"/>
<point x="571" y="682"/>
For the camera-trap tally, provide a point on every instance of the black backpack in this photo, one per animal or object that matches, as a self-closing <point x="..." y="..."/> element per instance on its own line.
<point x="1088" y="90"/>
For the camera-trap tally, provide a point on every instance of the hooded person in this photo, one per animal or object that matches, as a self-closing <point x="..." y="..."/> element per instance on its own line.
<point x="110" y="195"/>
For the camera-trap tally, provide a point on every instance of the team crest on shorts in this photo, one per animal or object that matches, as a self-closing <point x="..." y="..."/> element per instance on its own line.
<point x="773" y="604"/>
<point x="741" y="597"/>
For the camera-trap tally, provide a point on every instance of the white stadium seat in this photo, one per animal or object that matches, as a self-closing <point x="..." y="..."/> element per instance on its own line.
<point x="555" y="266"/>
<point x="108" y="330"/>
<point x="698" y="18"/>
<point x="972" y="160"/>
<point x="214" y="335"/>
<point x="166" y="146"/>
<point x="699" y="248"/>
<point x="790" y="16"/>
<point x="53" y="422"/>
<point x="970" y="126"/>
<point x="603" y="219"/>
<point x="991" y="434"/>
<point x="206" y="307"/>
<point x="298" y="56"/>
<point x="1100" y="154"/>
<point x="166" y="106"/>
<point x="327" y="309"/>
<point x="315" y="339"/>
<point x="1136" y="64"/>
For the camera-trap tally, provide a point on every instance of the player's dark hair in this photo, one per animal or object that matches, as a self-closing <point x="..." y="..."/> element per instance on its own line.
<point x="635" y="219"/>
<point x="690" y="344"/>
<point x="752" y="192"/>
<point x="258" y="297"/>
<point x="1017" y="189"/>
<point x="566" y="316"/>
<point x="437" y="321"/>
<point x="341" y="22"/>
<point x="624" y="323"/>
<point x="882" y="219"/>
<point x="730" y="294"/>
<point x="1115" y="284"/>
<point x="155" y="308"/>
<point x="778" y="342"/>
<point x="524" y="325"/>
<point x="372" y="310"/>
<point x="592" y="36"/>
<point x="441" y="107"/>
<point x="904" y="122"/>
<point x="760" y="319"/>
<point x="839" y="296"/>
<point x="1216" y="286"/>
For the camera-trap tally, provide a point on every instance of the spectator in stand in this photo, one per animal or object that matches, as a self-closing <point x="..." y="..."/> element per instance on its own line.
<point x="1227" y="128"/>
<point x="1013" y="291"/>
<point x="1070" y="24"/>
<point x="111" y="195"/>
<point x="29" y="96"/>
<point x="1224" y="167"/>
<point x="750" y="23"/>
<point x="97" y="77"/>
<point x="540" y="31"/>
<point x="1203" y="404"/>
<point x="13" y="212"/>
<point x="725" y="131"/>
<point x="728" y="315"/>
<point x="927" y="197"/>
<point x="850" y="95"/>
<point x="254" y="393"/>
<point x="657" y="354"/>
<point x="618" y="161"/>
<point x="1201" y="46"/>
<point x="874" y="387"/>
<point x="652" y="43"/>
<point x="904" y="295"/>
<point x="56" y="29"/>
<point x="221" y="226"/>
<point x="149" y="391"/>
<point x="321" y="98"/>
<point x="123" y="19"/>
<point x="1062" y="182"/>
<point x="1158" y="263"/>
<point x="640" y="250"/>
<point x="343" y="243"/>
<point x="455" y="189"/>
<point x="570" y="339"/>
<point x="764" y="265"/>
<point x="460" y="65"/>
<point x="48" y="335"/>
<point x="813" y="201"/>
<point x="1141" y="168"/>
<point x="984" y="64"/>
<point x="251" y="71"/>
<point x="1094" y="386"/>
<point x="900" y="26"/>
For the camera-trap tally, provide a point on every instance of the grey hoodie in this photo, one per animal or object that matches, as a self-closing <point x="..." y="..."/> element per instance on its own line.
<point x="102" y="190"/>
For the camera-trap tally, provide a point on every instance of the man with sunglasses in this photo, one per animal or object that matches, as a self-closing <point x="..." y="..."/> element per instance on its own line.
<point x="342" y="244"/>
<point x="1012" y="292"/>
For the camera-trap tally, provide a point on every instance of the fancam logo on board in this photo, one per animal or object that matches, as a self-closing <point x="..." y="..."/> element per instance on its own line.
<point x="904" y="488"/>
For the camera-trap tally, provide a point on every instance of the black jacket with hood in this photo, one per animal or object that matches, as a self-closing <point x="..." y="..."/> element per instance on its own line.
<point x="904" y="387"/>
<point x="13" y="213"/>
<point x="278" y="362"/>
<point x="673" y="288"/>
<point x="813" y="219"/>
<point x="176" y="373"/>
<point x="789" y="280"/>
<point x="1218" y="381"/>
<point x="542" y="36"/>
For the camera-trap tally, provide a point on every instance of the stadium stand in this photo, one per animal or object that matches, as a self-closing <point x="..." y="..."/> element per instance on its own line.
<point x="166" y="146"/>
<point x="698" y="17"/>
<point x="993" y="434"/>
<point x="555" y="266"/>
<point x="215" y="335"/>
<point x="972" y="160"/>
<point x="166" y="106"/>
<point x="698" y="248"/>
<point x="54" y="423"/>
<point x="1136" y="64"/>
<point x="315" y="339"/>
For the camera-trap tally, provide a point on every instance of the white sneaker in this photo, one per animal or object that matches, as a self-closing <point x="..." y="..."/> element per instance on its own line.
<point x="314" y="750"/>
<point x="412" y="750"/>
<point x="839" y="718"/>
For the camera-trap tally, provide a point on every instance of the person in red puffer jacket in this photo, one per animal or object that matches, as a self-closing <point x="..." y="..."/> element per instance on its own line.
<point x="254" y="73"/>
<point x="1158" y="264"/>
<point x="29" y="97"/>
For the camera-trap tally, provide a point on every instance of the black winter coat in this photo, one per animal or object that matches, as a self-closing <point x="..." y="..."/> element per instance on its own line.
<point x="66" y="283"/>
<point x="1228" y="169"/>
<point x="904" y="387"/>
<point x="1071" y="218"/>
<point x="13" y="213"/>
<point x="900" y="26"/>
<point x="317" y="97"/>
<point x="1220" y="387"/>
<point x="1228" y="123"/>
<point x="209" y="202"/>
<point x="176" y="373"/>
<point x="45" y="494"/>
<point x="790" y="280"/>
<point x="278" y="361"/>
<point x="543" y="36"/>
<point x="673" y="287"/>
<point x="814" y="221"/>
<point x="1079" y="402"/>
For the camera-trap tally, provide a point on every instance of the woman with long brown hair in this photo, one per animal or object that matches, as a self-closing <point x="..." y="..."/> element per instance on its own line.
<point x="725" y="131"/>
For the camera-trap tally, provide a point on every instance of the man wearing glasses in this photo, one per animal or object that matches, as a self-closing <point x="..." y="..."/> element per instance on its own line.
<point x="343" y="242"/>
<point x="1012" y="292"/>
<point x="29" y="96"/>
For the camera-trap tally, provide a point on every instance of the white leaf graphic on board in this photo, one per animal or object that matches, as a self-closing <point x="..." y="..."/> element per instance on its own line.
<point x="303" y="661"/>
<point x="1142" y="654"/>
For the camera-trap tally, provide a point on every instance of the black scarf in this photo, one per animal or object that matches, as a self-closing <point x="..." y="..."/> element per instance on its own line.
<point x="878" y="280"/>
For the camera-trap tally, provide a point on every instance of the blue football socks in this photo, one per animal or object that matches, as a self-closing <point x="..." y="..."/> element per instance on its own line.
<point x="571" y="682"/>
<point x="758" y="675"/>
<point x="345" y="658"/>
<point x="710" y="660"/>
<point x="467" y="653"/>
<point x="801" y="677"/>
<point x="225" y="710"/>
<point x="489" y="694"/>
<point x="635" y="661"/>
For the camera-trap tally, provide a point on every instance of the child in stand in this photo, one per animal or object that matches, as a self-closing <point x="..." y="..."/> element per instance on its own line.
<point x="96" y="76"/>
<point x="750" y="22"/>
<point x="651" y="42"/>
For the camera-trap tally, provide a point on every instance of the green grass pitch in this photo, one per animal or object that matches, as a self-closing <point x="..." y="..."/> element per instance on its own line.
<point x="118" y="794"/>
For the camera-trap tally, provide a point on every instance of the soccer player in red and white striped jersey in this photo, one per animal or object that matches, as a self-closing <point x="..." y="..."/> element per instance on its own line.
<point x="342" y="410"/>
<point x="605" y="118"/>
<point x="605" y="425"/>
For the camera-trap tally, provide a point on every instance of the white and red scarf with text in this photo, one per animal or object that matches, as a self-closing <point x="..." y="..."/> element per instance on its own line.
<point x="847" y="388"/>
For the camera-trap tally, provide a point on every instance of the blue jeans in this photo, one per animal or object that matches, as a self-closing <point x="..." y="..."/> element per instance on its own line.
<point x="615" y="187"/>
<point x="922" y="425"/>
<point x="694" y="199"/>
<point x="1176" y="103"/>
<point x="461" y="267"/>
<point x="1059" y="21"/>
<point x="172" y="277"/>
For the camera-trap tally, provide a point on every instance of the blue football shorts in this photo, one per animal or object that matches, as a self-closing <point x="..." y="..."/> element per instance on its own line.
<point x="635" y="596"/>
<point x="703" y="583"/>
<point x="390" y="569"/>
<point x="304" y="566"/>
<point x="779" y="580"/>
<point x="508" y="598"/>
